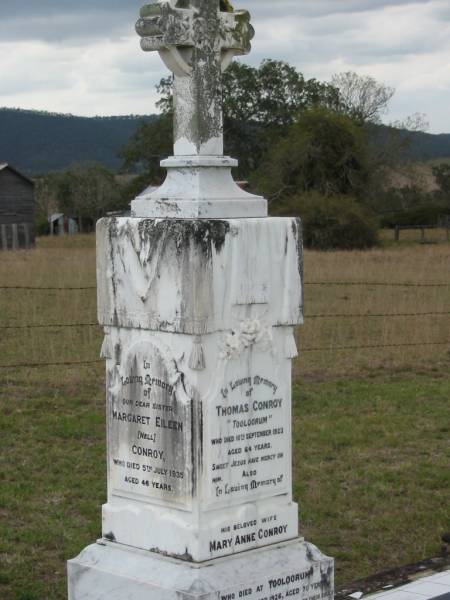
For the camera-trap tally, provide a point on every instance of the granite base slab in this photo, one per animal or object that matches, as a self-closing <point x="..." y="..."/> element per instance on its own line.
<point x="109" y="571"/>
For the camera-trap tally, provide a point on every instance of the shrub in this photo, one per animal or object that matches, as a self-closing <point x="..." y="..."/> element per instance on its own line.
<point x="42" y="225"/>
<point x="335" y="222"/>
<point x="323" y="152"/>
<point x="428" y="215"/>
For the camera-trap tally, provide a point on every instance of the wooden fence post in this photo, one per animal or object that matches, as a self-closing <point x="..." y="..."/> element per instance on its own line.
<point x="4" y="238"/>
<point x="422" y="239"/>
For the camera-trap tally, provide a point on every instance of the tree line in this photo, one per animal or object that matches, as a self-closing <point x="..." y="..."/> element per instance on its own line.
<point x="313" y="149"/>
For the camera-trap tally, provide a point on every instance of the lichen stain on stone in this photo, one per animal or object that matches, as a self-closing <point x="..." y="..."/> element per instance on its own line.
<point x="185" y="556"/>
<point x="226" y="6"/>
<point x="117" y="354"/>
<point x="179" y="233"/>
<point x="112" y="235"/>
<point x="326" y="579"/>
<point x="196" y="443"/>
<point x="297" y="230"/>
<point x="198" y="589"/>
<point x="309" y="553"/>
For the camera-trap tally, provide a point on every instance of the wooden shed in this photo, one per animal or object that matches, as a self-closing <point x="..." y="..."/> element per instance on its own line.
<point x="17" y="209"/>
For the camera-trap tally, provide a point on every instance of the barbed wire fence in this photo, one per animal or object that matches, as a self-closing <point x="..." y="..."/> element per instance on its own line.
<point x="329" y="348"/>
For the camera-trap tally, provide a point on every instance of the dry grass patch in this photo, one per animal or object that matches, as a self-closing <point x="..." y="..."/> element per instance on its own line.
<point x="412" y="265"/>
<point x="370" y="432"/>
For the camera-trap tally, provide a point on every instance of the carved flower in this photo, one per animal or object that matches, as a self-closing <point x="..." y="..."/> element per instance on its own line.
<point x="250" y="333"/>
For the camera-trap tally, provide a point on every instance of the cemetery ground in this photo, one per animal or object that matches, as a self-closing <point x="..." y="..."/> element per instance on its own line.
<point x="371" y="428"/>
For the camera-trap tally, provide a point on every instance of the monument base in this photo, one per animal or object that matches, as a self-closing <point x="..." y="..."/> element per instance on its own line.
<point x="109" y="571"/>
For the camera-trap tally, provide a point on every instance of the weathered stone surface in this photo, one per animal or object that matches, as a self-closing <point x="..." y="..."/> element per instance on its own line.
<point x="197" y="41"/>
<point x="198" y="276"/>
<point x="198" y="187"/>
<point x="199" y="318"/>
<point x="295" y="570"/>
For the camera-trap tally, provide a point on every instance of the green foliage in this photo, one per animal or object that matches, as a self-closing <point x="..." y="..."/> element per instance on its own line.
<point x="83" y="192"/>
<point x="259" y="104"/>
<point x="151" y="142"/>
<point x="324" y="151"/>
<point x="42" y="225"/>
<point x="442" y="174"/>
<point x="272" y="94"/>
<point x="337" y="222"/>
<point x="404" y="199"/>
<point x="426" y="215"/>
<point x="411" y="205"/>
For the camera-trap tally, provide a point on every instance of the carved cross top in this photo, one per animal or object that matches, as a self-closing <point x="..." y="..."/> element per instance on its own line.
<point x="176" y="26"/>
<point x="197" y="41"/>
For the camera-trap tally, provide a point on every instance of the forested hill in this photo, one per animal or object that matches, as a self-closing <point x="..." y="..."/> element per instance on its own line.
<point x="428" y="146"/>
<point x="38" y="142"/>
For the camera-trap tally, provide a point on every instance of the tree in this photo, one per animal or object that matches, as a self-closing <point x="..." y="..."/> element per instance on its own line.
<point x="361" y="97"/>
<point x="87" y="193"/>
<point x="259" y="106"/>
<point x="331" y="222"/>
<point x="442" y="175"/>
<point x="151" y="142"/>
<point x="272" y="94"/>
<point x="324" y="151"/>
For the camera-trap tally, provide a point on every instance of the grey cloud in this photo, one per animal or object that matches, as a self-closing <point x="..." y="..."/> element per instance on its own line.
<point x="64" y="20"/>
<point x="45" y="8"/>
<point x="318" y="8"/>
<point x="306" y="33"/>
<point x="53" y="21"/>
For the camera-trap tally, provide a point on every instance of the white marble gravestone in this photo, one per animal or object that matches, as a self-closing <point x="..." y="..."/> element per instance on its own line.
<point x="199" y="292"/>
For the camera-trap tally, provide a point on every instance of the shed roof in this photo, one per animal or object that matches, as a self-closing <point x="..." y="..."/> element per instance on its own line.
<point x="4" y="165"/>
<point x="55" y="217"/>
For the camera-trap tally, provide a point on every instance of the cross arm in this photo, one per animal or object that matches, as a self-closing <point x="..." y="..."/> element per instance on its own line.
<point x="161" y="26"/>
<point x="237" y="32"/>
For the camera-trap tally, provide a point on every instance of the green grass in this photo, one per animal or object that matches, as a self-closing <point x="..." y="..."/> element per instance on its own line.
<point x="370" y="473"/>
<point x="371" y="430"/>
<point x="371" y="470"/>
<point x="52" y="478"/>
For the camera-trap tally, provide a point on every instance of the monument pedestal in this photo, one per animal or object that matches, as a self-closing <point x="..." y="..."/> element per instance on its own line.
<point x="199" y="292"/>
<point x="199" y="319"/>
<point x="106" y="571"/>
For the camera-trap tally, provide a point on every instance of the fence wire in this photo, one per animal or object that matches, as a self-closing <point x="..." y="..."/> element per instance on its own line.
<point x="51" y="364"/>
<point x="377" y="283"/>
<point x="45" y="289"/>
<point x="307" y="283"/>
<point x="373" y="346"/>
<point x="312" y="349"/>
<point x="311" y="316"/>
<point x="318" y="316"/>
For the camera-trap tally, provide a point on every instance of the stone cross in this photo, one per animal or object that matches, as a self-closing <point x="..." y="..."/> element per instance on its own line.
<point x="197" y="41"/>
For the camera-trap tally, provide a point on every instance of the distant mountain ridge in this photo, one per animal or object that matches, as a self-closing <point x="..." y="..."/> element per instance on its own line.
<point x="428" y="146"/>
<point x="37" y="142"/>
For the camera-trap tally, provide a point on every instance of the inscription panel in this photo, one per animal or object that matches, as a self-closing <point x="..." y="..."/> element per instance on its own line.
<point x="150" y="431"/>
<point x="248" y="434"/>
<point x="313" y="582"/>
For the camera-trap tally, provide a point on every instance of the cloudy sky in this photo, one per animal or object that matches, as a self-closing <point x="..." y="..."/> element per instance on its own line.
<point x="83" y="56"/>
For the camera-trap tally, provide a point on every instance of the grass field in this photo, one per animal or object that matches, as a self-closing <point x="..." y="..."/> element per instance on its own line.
<point x="371" y="426"/>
